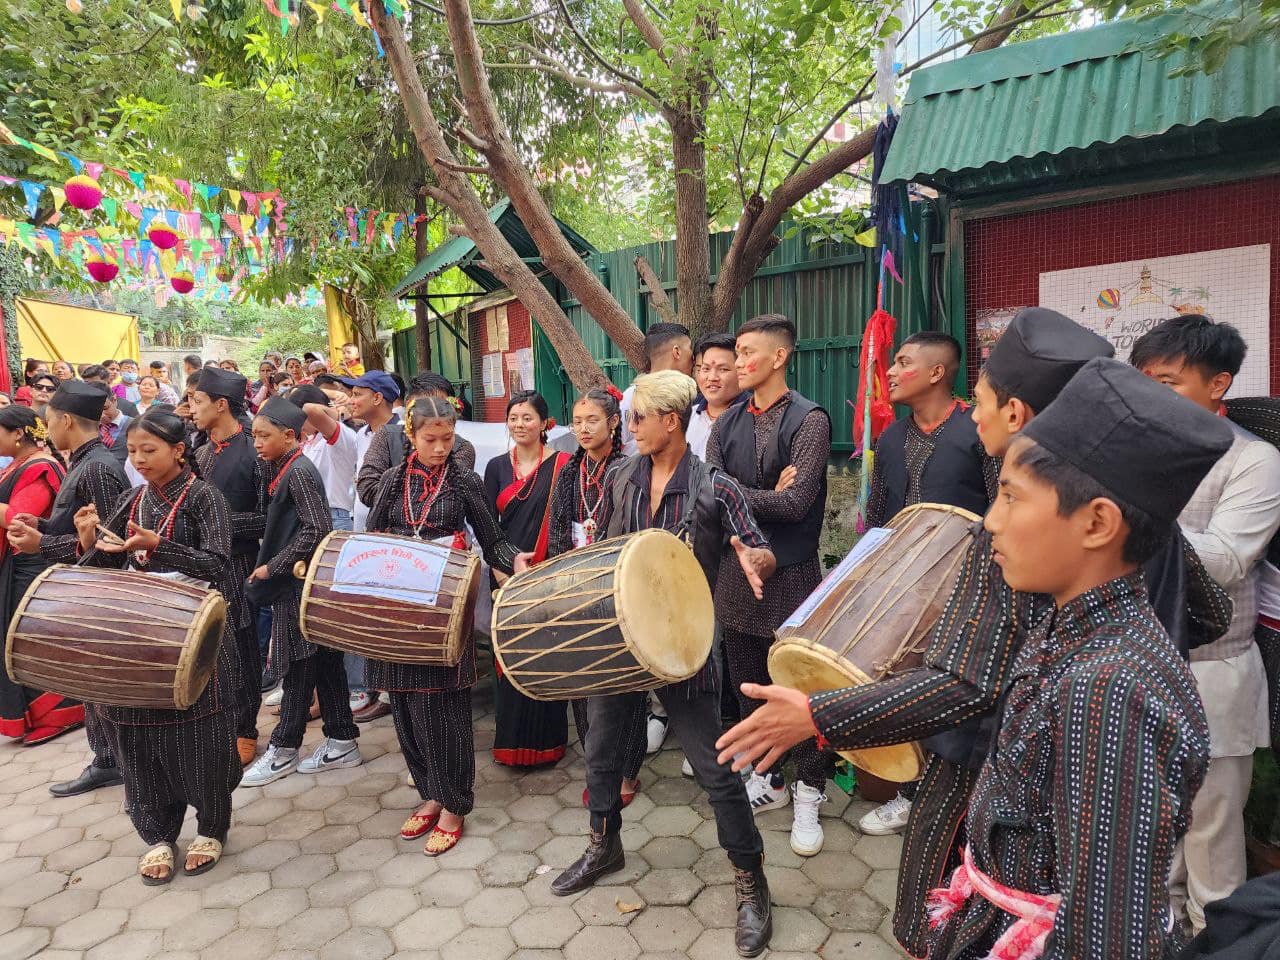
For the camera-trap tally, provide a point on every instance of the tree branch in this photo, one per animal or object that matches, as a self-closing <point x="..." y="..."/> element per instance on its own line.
<point x="558" y="255"/>
<point x="648" y="30"/>
<point x="595" y="54"/>
<point x="585" y="83"/>
<point x="658" y="298"/>
<point x="465" y="168"/>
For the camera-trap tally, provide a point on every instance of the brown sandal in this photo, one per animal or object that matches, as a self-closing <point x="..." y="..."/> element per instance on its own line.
<point x="161" y="855"/>
<point x="203" y="847"/>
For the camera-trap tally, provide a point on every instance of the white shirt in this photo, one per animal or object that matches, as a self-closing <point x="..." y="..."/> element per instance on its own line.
<point x="628" y="441"/>
<point x="1268" y="591"/>
<point x="364" y="437"/>
<point x="699" y="432"/>
<point x="336" y="461"/>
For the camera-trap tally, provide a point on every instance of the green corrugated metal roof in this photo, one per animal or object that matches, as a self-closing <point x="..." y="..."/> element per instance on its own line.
<point x="461" y="252"/>
<point x="1027" y="111"/>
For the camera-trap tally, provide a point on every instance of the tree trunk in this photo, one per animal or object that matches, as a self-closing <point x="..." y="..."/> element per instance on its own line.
<point x="693" y="244"/>
<point x="421" y="316"/>
<point x="456" y="193"/>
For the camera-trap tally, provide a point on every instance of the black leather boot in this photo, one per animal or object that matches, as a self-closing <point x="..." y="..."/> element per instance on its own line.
<point x="91" y="778"/>
<point x="604" y="855"/>
<point x="755" y="916"/>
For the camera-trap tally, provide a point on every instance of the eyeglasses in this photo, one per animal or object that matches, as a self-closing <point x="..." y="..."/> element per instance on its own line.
<point x="634" y="418"/>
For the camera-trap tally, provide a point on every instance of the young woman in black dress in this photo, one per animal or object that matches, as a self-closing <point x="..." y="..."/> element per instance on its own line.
<point x="529" y="733"/>
<point x="577" y="514"/>
<point x="175" y="524"/>
<point x="431" y="497"/>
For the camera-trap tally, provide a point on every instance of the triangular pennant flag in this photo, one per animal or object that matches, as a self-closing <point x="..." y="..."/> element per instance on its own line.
<point x="32" y="192"/>
<point x="110" y="208"/>
<point x="193" y="222"/>
<point x="171" y="218"/>
<point x="148" y="214"/>
<point x="250" y="202"/>
<point x="76" y="165"/>
<point x="203" y="189"/>
<point x="233" y="224"/>
<point x="55" y="241"/>
<point x="321" y="9"/>
<point x="138" y="180"/>
<point x="184" y="188"/>
<point x="59" y="198"/>
<point x="235" y="198"/>
<point x="93" y="169"/>
<point x="215" y="220"/>
<point x="246" y="224"/>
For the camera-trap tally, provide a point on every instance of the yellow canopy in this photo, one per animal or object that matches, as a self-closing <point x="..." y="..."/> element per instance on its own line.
<point x="54" y="331"/>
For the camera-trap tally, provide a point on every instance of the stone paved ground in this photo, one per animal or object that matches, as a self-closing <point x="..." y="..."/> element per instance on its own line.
<point x="315" y="869"/>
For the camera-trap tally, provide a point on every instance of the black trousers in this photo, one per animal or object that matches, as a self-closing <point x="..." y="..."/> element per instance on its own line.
<point x="635" y="739"/>
<point x="323" y="674"/>
<point x="436" y="739"/>
<point x="99" y="731"/>
<point x="695" y="718"/>
<point x="249" y="696"/>
<point x="748" y="658"/>
<point x="170" y="766"/>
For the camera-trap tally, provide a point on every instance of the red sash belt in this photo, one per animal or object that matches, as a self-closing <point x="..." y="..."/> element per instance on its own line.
<point x="1025" y="940"/>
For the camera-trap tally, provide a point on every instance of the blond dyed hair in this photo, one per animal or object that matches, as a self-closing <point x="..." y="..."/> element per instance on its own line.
<point x="667" y="391"/>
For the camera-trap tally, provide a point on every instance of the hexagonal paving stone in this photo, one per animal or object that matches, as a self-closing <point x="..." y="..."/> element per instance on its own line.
<point x="429" y="928"/>
<point x="535" y="809"/>
<point x="714" y="944"/>
<point x="850" y="910"/>
<point x="479" y="943"/>
<point x="200" y="930"/>
<point x="600" y="943"/>
<point x="339" y="889"/>
<point x="543" y="782"/>
<point x="714" y="867"/>
<point x="359" y="943"/>
<point x="545" y="927"/>
<point x="488" y="822"/>
<point x="235" y="890"/>
<point x="790" y="887"/>
<point x="882" y="885"/>
<point x="879" y="853"/>
<point x="127" y="946"/>
<point x="507" y="869"/>
<point x="303" y="870"/>
<point x="61" y="907"/>
<point x="450" y="888"/>
<point x="369" y="853"/>
<point x="267" y="855"/>
<point x="665" y="928"/>
<point x="164" y="911"/>
<point x="351" y="810"/>
<point x="669" y="888"/>
<point x="495" y="908"/>
<point x="858" y="946"/>
<point x="836" y="871"/>
<point x="332" y="839"/>
<point x="520" y="837"/>
<point x="383" y="908"/>
<point x="248" y="944"/>
<point x="273" y="908"/>
<point x="312" y="928"/>
<point x="671" y="853"/>
<point x="795" y="929"/>
<point x="77" y="855"/>
<point x="23" y="942"/>
<point x="32" y="889"/>
<point x="406" y="870"/>
<point x="89" y="929"/>
<point x="672" y="821"/>
<point x="599" y="906"/>
<point x="716" y="906"/>
<point x="318" y="797"/>
<point x="559" y="852"/>
<point x="469" y="853"/>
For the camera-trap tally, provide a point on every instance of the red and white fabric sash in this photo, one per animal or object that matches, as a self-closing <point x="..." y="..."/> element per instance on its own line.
<point x="1025" y="940"/>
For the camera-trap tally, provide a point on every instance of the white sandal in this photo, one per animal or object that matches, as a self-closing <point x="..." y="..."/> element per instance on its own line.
<point x="203" y="847"/>
<point x="161" y="855"/>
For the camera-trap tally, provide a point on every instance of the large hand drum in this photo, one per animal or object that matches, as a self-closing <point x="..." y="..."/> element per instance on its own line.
<point x="622" y="615"/>
<point x="871" y="618"/>
<point x="390" y="598"/>
<point x="116" y="637"/>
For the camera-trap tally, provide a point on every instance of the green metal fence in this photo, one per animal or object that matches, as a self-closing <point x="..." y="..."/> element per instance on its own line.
<point x="827" y="288"/>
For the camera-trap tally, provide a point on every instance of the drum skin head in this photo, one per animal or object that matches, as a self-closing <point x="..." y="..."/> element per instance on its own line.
<point x="199" y="656"/>
<point x="664" y="605"/>
<point x="800" y="665"/>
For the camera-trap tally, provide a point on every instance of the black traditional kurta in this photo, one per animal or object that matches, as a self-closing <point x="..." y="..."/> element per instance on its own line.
<point x="578" y="498"/>
<point x="233" y="467"/>
<point x="93" y="477"/>
<point x="1103" y="743"/>
<point x="172" y="758"/>
<point x="431" y="706"/>
<point x="388" y="449"/>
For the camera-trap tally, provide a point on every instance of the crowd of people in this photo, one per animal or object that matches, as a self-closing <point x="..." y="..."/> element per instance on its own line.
<point x="1090" y="698"/>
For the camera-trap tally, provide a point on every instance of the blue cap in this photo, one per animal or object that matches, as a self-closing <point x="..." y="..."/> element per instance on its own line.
<point x="374" y="380"/>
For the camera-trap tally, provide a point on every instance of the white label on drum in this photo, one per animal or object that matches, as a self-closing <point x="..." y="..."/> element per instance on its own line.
<point x="373" y="567"/>
<point x="870" y="541"/>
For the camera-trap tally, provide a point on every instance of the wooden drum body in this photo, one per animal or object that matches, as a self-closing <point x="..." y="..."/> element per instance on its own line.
<point x="872" y="619"/>
<point x="429" y="625"/>
<point x="116" y="637"/>
<point x="622" y="615"/>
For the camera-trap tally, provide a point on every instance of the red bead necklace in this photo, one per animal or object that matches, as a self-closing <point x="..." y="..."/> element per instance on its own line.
<point x="521" y="478"/>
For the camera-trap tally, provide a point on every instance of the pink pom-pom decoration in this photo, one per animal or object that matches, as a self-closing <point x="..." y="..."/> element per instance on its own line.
<point x="83" y="193"/>
<point x="182" y="281"/>
<point x="164" y="238"/>
<point x="103" y="271"/>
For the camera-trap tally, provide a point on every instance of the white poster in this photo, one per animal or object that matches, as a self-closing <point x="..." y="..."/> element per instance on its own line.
<point x="1122" y="301"/>
<point x="491" y="371"/>
<point x="867" y="544"/>
<point x="503" y="329"/>
<point x="410" y="572"/>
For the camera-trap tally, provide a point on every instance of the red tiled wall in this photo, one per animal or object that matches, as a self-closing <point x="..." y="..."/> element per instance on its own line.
<point x="1004" y="256"/>
<point x="519" y="336"/>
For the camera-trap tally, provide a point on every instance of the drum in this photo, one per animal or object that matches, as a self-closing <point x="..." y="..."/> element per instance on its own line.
<point x="872" y="615"/>
<point x="390" y="598"/>
<point x="116" y="637"/>
<point x="627" y="614"/>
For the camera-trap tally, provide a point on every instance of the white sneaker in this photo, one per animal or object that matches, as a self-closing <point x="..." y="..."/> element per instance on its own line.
<point x="887" y="818"/>
<point x="276" y="763"/>
<point x="331" y="755"/>
<point x="360" y="700"/>
<point x="273" y="698"/>
<point x="806" y="830"/>
<point x="656" y="732"/>
<point x="764" y="795"/>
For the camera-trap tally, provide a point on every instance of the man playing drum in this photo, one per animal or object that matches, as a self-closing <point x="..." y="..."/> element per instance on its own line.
<point x="950" y="701"/>
<point x="666" y="486"/>
<point x="96" y="479"/>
